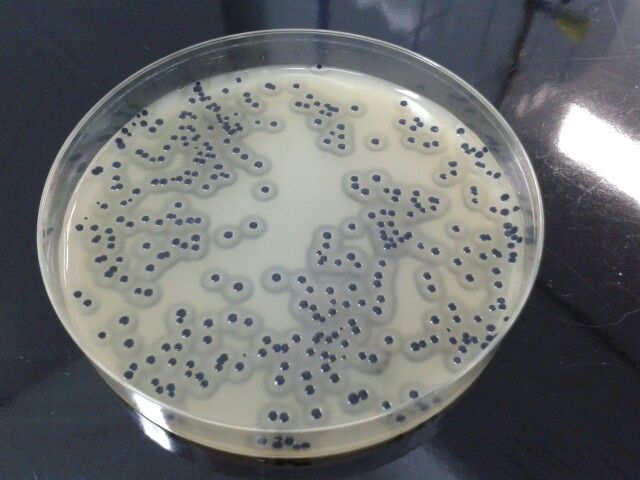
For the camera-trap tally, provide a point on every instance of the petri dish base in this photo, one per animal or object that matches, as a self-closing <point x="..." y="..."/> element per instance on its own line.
<point x="310" y="76"/>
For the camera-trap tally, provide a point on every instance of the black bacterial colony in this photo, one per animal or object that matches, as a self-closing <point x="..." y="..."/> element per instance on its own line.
<point x="292" y="248"/>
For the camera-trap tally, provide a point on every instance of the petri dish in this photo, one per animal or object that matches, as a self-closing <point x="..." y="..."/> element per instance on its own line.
<point x="373" y="376"/>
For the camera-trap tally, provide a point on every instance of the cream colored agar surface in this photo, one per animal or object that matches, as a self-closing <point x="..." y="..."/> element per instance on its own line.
<point x="269" y="219"/>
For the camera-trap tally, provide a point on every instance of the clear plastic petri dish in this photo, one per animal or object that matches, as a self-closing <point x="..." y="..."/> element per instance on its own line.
<point x="363" y="414"/>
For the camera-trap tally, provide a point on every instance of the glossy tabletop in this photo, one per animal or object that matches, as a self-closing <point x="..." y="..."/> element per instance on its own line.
<point x="561" y="398"/>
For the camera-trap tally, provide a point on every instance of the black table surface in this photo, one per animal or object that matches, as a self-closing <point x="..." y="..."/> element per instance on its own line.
<point x="561" y="398"/>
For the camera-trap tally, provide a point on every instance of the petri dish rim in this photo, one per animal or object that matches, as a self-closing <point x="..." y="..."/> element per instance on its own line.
<point x="189" y="53"/>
